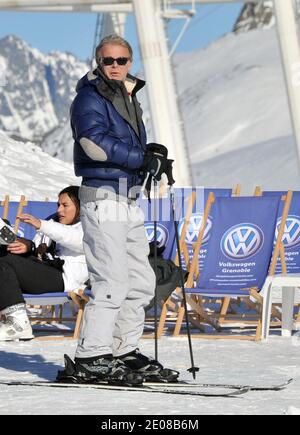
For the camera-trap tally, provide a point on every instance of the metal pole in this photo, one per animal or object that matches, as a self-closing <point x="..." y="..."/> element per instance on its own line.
<point x="166" y="120"/>
<point x="193" y="369"/>
<point x="290" y="56"/>
<point x="155" y="270"/>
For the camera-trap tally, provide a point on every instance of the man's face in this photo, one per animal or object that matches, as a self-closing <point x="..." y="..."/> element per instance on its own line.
<point x="114" y="71"/>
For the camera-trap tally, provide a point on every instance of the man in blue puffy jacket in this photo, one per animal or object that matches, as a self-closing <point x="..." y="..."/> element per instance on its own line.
<point x="112" y="157"/>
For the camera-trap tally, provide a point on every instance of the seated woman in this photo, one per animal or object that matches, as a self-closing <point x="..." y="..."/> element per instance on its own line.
<point x="26" y="268"/>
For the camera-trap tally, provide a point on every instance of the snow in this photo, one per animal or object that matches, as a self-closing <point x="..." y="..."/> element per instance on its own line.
<point x="219" y="362"/>
<point x="26" y="170"/>
<point x="236" y="114"/>
<point x="238" y="128"/>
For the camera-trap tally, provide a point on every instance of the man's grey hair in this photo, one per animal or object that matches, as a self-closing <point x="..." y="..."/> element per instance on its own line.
<point x="113" y="40"/>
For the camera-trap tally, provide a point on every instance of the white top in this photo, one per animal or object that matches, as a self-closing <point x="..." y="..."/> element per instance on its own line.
<point x="69" y="247"/>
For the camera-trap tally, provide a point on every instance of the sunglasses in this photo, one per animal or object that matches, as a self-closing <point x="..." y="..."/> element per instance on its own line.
<point x="108" y="61"/>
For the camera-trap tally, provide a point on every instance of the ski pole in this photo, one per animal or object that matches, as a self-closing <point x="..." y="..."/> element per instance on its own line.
<point x="193" y="369"/>
<point x="155" y="271"/>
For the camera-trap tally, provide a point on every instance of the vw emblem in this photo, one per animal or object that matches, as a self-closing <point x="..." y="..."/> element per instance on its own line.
<point x="291" y="235"/>
<point x="162" y="234"/>
<point x="242" y="241"/>
<point x="194" y="227"/>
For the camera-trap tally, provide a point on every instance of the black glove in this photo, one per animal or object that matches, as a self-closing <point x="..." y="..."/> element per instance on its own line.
<point x="156" y="166"/>
<point x="161" y="152"/>
<point x="155" y="160"/>
<point x="158" y="149"/>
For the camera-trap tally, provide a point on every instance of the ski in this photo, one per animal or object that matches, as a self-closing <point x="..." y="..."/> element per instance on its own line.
<point x="189" y="384"/>
<point x="142" y="389"/>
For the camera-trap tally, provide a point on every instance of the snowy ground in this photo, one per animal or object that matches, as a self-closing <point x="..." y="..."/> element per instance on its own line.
<point x="219" y="361"/>
<point x="26" y="170"/>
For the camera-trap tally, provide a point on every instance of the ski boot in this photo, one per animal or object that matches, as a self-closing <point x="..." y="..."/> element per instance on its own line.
<point x="103" y="369"/>
<point x="16" y="325"/>
<point x="149" y="368"/>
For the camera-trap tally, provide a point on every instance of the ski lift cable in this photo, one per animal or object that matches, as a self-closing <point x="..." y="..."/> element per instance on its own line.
<point x="203" y="17"/>
<point x="188" y="24"/>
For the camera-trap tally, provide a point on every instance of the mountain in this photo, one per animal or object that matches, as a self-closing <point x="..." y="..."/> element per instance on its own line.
<point x="234" y="105"/>
<point x="232" y="97"/>
<point x="259" y="15"/>
<point x="255" y="16"/>
<point x="38" y="89"/>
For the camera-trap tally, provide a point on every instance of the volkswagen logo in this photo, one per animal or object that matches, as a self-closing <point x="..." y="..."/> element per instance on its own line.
<point x="242" y="241"/>
<point x="291" y="235"/>
<point x="194" y="227"/>
<point x="162" y="234"/>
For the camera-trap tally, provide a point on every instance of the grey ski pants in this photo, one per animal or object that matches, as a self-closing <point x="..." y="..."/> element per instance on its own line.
<point x="123" y="282"/>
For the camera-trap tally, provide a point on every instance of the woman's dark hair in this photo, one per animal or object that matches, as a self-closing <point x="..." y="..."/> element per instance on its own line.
<point x="73" y="193"/>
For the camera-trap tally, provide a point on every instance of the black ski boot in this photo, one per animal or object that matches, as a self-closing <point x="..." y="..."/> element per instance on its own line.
<point x="96" y="370"/>
<point x="149" y="368"/>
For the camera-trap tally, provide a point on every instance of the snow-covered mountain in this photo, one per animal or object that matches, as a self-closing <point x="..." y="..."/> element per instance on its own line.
<point x="233" y="101"/>
<point x="255" y="16"/>
<point x="236" y="114"/>
<point x="259" y="15"/>
<point x="38" y="89"/>
<point x="26" y="170"/>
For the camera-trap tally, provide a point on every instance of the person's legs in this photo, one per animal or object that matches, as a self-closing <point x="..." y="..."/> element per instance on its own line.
<point x="105" y="225"/>
<point x="19" y="275"/>
<point x="130" y="322"/>
<point x="105" y="234"/>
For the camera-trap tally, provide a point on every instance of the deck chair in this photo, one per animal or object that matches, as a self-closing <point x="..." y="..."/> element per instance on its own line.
<point x="78" y="297"/>
<point x="11" y="209"/>
<point x="189" y="227"/>
<point x="285" y="285"/>
<point x="162" y="207"/>
<point x="241" y="257"/>
<point x="51" y="304"/>
<point x="41" y="209"/>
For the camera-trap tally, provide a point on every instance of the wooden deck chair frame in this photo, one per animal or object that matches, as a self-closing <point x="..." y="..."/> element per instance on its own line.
<point x="170" y="310"/>
<point x="284" y="280"/>
<point x="169" y="307"/>
<point x="73" y="297"/>
<point x="227" y="300"/>
<point x="77" y="298"/>
<point x="196" y="302"/>
<point x="226" y="303"/>
<point x="80" y="299"/>
<point x="5" y="205"/>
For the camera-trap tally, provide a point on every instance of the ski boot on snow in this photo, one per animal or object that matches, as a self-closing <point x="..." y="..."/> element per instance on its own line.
<point x="16" y="325"/>
<point x="103" y="369"/>
<point x="149" y="368"/>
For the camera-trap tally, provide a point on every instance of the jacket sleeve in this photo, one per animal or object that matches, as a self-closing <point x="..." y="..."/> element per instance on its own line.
<point x="68" y="236"/>
<point x="90" y="124"/>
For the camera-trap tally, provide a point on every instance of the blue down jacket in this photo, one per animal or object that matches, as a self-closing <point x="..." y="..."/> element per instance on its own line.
<point x="100" y="120"/>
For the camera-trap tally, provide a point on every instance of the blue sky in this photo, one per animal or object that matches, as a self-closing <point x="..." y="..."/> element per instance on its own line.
<point x="74" y="32"/>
